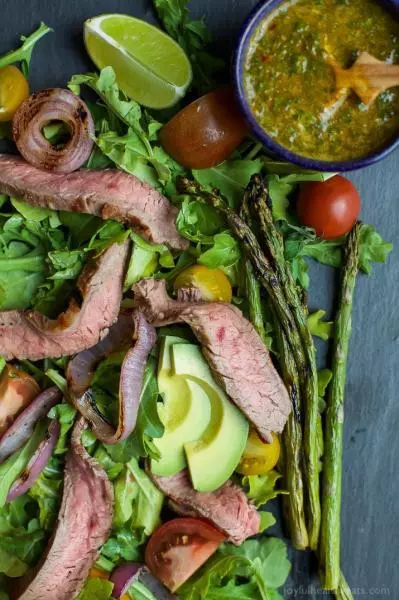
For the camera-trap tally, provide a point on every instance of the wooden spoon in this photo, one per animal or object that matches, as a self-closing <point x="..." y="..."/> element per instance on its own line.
<point x="367" y="77"/>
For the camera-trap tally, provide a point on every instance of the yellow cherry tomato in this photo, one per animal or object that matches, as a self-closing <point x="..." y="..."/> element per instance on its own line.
<point x="14" y="89"/>
<point x="259" y="457"/>
<point x="125" y="597"/>
<point x="98" y="573"/>
<point x="213" y="283"/>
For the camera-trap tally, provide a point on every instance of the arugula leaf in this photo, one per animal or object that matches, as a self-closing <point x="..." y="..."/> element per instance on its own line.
<point x="230" y="178"/>
<point x="21" y="539"/>
<point x="65" y="413"/>
<point x="123" y="545"/>
<point x="193" y="37"/>
<point x="47" y="491"/>
<point x="148" y="500"/>
<point x="252" y="570"/>
<point x="24" y="53"/>
<point x="199" y="222"/>
<point x="262" y="488"/>
<point x="96" y="589"/>
<point x="267" y="520"/>
<point x="225" y="252"/>
<point x="372" y="248"/>
<point x="268" y="558"/>
<point x="318" y="327"/>
<point x="33" y="213"/>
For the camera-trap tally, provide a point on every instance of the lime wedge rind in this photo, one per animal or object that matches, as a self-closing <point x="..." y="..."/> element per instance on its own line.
<point x="136" y="77"/>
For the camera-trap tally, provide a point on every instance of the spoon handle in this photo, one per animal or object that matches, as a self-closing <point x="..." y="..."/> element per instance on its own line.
<point x="380" y="75"/>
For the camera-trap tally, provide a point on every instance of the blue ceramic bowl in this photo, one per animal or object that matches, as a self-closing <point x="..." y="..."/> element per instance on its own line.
<point x="280" y="152"/>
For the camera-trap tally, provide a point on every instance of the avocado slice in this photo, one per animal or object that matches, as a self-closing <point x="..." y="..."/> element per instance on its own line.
<point x="185" y="412"/>
<point x="214" y="455"/>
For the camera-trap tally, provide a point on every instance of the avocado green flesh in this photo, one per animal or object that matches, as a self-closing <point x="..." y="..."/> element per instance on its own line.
<point x="184" y="412"/>
<point x="213" y="457"/>
<point x="203" y="429"/>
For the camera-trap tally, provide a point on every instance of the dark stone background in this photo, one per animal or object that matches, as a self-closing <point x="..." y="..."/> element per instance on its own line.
<point x="371" y="485"/>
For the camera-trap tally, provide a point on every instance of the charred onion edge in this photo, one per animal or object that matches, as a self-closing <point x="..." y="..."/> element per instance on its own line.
<point x="131" y="378"/>
<point x="22" y="428"/>
<point x="123" y="576"/>
<point x="37" y="463"/>
<point x="37" y="111"/>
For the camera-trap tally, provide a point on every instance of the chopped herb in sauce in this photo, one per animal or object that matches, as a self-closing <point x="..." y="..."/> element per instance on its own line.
<point x="291" y="86"/>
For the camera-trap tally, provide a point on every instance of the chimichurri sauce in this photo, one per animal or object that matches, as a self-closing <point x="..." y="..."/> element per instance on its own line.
<point x="291" y="87"/>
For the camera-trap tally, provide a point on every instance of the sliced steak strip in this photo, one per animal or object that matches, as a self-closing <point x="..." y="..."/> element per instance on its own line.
<point x="109" y="194"/>
<point x="236" y="354"/>
<point x="83" y="526"/>
<point x="227" y="508"/>
<point x="31" y="335"/>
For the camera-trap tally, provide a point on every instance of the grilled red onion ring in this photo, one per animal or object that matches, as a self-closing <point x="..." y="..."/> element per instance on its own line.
<point x="36" y="464"/>
<point x="22" y="428"/>
<point x="81" y="368"/>
<point x="131" y="378"/>
<point x="54" y="104"/>
<point x="123" y="577"/>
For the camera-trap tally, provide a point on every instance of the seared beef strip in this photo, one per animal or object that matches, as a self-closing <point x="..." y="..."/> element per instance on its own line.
<point x="227" y="508"/>
<point x="83" y="526"/>
<point x="31" y="335"/>
<point x="109" y="194"/>
<point x="236" y="354"/>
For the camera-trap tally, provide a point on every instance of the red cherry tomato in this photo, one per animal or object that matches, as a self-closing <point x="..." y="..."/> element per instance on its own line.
<point x="179" y="547"/>
<point x="331" y="207"/>
<point x="206" y="131"/>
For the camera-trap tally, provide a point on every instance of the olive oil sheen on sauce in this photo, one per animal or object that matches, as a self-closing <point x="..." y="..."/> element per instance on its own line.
<point x="290" y="84"/>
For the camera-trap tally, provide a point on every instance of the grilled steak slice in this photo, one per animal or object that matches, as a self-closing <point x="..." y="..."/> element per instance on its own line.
<point x="236" y="354"/>
<point x="109" y="194"/>
<point x="84" y="523"/>
<point x="227" y="508"/>
<point x="31" y="335"/>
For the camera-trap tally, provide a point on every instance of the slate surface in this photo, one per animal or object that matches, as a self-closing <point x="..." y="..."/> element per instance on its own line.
<point x="371" y="486"/>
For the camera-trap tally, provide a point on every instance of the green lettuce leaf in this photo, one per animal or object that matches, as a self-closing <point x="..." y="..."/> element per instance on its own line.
<point x="124" y="544"/>
<point x="262" y="488"/>
<point x="253" y="570"/>
<point x="199" y="222"/>
<point x="225" y="252"/>
<point x="318" y="327"/>
<point x="96" y="589"/>
<point x="21" y="539"/>
<point x="372" y="248"/>
<point x="137" y="499"/>
<point x="230" y="178"/>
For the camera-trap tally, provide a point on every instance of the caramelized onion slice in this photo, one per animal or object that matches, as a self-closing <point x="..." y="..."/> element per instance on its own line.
<point x="54" y="104"/>
<point x="36" y="464"/>
<point x="22" y="428"/>
<point x="130" y="385"/>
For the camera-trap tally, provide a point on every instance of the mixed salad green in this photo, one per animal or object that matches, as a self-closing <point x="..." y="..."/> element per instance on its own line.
<point x="42" y="253"/>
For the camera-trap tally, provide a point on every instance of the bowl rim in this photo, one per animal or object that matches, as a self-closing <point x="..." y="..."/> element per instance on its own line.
<point x="256" y="16"/>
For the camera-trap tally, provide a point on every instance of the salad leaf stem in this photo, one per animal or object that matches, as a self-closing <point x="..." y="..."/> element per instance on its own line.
<point x="329" y="554"/>
<point x="23" y="54"/>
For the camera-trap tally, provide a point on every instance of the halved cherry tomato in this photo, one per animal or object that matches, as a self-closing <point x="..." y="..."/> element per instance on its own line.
<point x="17" y="390"/>
<point x="14" y="89"/>
<point x="330" y="207"/>
<point x="259" y="457"/>
<point x="213" y="283"/>
<point x="179" y="547"/>
<point x="206" y="131"/>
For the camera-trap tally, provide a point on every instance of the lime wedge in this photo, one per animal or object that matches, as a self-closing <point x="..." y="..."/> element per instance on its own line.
<point x="150" y="67"/>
